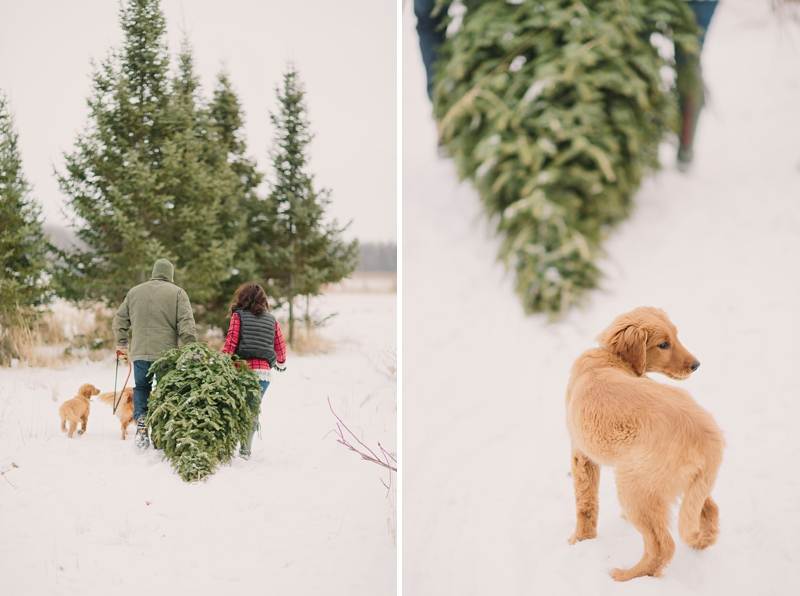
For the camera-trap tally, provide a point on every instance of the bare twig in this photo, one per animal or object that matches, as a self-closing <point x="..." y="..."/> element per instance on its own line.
<point x="341" y="523"/>
<point x="372" y="456"/>
<point x="387" y="456"/>
<point x="386" y="453"/>
<point x="388" y="487"/>
<point x="7" y="480"/>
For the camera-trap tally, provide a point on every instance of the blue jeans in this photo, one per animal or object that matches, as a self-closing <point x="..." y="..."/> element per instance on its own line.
<point x="431" y="36"/>
<point x="142" y="388"/>
<point x="703" y="11"/>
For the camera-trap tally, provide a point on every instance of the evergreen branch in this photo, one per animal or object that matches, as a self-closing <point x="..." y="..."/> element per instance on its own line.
<point x="467" y="98"/>
<point x="585" y="49"/>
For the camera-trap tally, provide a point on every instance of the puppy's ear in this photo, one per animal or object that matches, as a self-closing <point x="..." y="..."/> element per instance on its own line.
<point x="629" y="343"/>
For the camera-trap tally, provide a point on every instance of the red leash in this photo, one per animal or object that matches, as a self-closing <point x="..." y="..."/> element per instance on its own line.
<point x="116" y="370"/>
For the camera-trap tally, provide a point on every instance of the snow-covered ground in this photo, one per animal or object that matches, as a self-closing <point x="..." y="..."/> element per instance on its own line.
<point x="487" y="501"/>
<point x="93" y="515"/>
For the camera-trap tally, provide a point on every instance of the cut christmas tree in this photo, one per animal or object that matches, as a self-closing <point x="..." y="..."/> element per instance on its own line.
<point x="555" y="110"/>
<point x="202" y="407"/>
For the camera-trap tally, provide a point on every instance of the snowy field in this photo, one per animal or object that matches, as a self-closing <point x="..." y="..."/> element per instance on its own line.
<point x="93" y="515"/>
<point x="487" y="501"/>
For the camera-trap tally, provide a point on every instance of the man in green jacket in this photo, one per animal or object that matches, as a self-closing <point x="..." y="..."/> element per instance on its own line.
<point x="157" y="314"/>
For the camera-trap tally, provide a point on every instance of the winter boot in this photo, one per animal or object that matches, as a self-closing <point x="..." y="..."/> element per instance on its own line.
<point x="247" y="449"/>
<point x="142" y="438"/>
<point x="691" y="100"/>
<point x="690" y="113"/>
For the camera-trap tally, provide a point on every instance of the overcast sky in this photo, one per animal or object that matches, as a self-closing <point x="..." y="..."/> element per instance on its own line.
<point x="345" y="53"/>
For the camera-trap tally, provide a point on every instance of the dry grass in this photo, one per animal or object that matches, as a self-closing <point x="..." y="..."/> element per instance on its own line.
<point x="17" y="344"/>
<point x="307" y="339"/>
<point x="787" y="9"/>
<point x="17" y="341"/>
<point x="365" y="282"/>
<point x="60" y="335"/>
<point x="213" y="336"/>
<point x="67" y="332"/>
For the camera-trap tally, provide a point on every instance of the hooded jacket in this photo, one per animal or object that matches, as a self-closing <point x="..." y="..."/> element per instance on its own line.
<point x="155" y="315"/>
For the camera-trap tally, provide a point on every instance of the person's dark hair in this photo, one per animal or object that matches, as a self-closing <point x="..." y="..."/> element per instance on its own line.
<point x="252" y="296"/>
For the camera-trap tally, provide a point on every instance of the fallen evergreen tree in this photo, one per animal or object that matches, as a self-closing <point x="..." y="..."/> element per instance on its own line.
<point x="202" y="407"/>
<point x="555" y="110"/>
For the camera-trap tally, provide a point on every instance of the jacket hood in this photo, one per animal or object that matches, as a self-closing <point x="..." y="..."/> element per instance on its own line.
<point x="163" y="268"/>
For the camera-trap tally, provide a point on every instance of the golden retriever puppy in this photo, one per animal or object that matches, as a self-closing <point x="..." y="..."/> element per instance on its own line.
<point x="124" y="401"/>
<point x="661" y="443"/>
<point x="76" y="410"/>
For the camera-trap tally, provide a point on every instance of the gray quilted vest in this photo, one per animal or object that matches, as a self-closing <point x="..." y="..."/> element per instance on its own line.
<point x="256" y="336"/>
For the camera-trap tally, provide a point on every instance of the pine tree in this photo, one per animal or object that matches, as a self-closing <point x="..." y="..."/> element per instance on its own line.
<point x="297" y="250"/>
<point x="110" y="179"/>
<point x="555" y="110"/>
<point x="203" y="190"/>
<point x="24" y="284"/>
<point x="228" y="120"/>
<point x="150" y="177"/>
<point x="202" y="407"/>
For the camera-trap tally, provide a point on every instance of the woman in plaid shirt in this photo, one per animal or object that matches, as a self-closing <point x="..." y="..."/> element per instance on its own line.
<point x="255" y="336"/>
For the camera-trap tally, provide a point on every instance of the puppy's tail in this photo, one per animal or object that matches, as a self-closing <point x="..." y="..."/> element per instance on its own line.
<point x="110" y="397"/>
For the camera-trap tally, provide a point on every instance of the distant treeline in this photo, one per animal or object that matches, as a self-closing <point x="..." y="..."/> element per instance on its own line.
<point x="378" y="256"/>
<point x="61" y="237"/>
<point x="374" y="256"/>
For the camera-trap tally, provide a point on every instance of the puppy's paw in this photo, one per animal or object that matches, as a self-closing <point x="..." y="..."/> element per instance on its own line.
<point x="617" y="574"/>
<point x="577" y="537"/>
<point x="621" y="575"/>
<point x="638" y="570"/>
<point x="701" y="540"/>
<point x="624" y="575"/>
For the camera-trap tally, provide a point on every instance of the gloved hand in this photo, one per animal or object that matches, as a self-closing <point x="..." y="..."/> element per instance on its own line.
<point x="122" y="355"/>
<point x="280" y="366"/>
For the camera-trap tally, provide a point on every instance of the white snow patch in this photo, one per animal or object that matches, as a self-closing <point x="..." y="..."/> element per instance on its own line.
<point x="93" y="515"/>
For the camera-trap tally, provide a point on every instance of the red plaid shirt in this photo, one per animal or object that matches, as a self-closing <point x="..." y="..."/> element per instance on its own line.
<point x="232" y="342"/>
